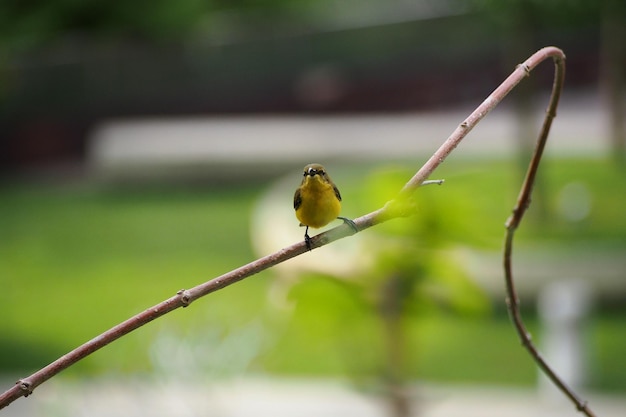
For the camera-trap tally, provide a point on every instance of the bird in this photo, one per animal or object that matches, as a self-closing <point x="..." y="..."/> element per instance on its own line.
<point x="317" y="201"/>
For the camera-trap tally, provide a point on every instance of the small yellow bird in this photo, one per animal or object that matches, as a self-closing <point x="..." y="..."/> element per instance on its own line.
<point x="317" y="201"/>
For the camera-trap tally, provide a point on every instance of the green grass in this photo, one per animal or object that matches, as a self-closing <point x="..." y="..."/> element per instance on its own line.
<point x="76" y="261"/>
<point x="606" y="344"/>
<point x="73" y="263"/>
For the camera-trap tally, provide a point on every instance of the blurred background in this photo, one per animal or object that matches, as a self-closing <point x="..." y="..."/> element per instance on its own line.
<point x="150" y="146"/>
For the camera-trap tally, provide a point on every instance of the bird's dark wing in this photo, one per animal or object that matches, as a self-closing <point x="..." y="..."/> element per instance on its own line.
<point x="297" y="199"/>
<point x="337" y="192"/>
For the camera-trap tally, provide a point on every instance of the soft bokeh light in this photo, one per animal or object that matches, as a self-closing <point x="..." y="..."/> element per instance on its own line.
<point x="575" y="201"/>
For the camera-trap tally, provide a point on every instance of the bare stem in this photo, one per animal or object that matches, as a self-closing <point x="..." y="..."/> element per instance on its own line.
<point x="523" y="202"/>
<point x="183" y="298"/>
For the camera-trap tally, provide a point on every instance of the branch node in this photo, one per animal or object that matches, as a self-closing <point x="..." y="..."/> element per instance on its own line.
<point x="465" y="124"/>
<point x="527" y="340"/>
<point x="511" y="222"/>
<point x="525" y="68"/>
<point x="25" y="386"/>
<point x="185" y="298"/>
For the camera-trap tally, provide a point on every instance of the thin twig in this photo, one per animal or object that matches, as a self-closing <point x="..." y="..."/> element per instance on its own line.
<point x="523" y="202"/>
<point x="183" y="298"/>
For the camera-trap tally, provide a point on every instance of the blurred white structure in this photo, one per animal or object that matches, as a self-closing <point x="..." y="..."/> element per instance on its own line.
<point x="141" y="397"/>
<point x="228" y="146"/>
<point x="563" y="306"/>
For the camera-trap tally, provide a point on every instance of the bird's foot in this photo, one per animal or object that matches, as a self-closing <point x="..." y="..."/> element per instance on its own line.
<point x="349" y="223"/>
<point x="307" y="241"/>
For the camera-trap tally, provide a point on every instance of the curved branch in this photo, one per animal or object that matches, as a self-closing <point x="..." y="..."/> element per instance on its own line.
<point x="183" y="298"/>
<point x="523" y="202"/>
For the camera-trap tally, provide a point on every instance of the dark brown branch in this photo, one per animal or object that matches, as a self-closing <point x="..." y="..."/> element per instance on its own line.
<point x="391" y="210"/>
<point x="523" y="202"/>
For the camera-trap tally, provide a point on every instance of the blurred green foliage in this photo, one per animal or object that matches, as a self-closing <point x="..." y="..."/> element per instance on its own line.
<point x="36" y="22"/>
<point x="76" y="261"/>
<point x="33" y="23"/>
<point x="73" y="262"/>
<point x="406" y="275"/>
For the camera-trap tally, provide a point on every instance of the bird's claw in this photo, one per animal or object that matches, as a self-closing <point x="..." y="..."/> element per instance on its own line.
<point x="350" y="223"/>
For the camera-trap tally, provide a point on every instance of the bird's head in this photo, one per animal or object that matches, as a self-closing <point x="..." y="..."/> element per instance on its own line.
<point x="315" y="172"/>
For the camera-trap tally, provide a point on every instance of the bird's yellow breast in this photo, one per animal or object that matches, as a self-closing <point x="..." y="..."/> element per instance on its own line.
<point x="320" y="204"/>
